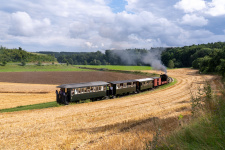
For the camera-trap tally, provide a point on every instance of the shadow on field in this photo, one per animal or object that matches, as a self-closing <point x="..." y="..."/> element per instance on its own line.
<point x="150" y="125"/>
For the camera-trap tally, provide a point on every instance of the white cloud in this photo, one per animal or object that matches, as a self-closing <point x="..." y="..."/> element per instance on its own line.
<point x="193" y="20"/>
<point x="190" y="6"/>
<point x="216" y="8"/>
<point x="213" y="8"/>
<point x="91" y="25"/>
<point x="23" y="25"/>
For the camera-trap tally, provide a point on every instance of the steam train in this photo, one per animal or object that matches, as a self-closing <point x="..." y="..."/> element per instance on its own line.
<point x="103" y="90"/>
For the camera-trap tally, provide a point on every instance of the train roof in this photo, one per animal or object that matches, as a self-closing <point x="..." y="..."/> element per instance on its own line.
<point x="80" y="85"/>
<point x="122" y="81"/>
<point x="155" y="77"/>
<point x="145" y="79"/>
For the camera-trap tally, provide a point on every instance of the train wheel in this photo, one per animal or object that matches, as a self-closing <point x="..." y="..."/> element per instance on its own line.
<point x="106" y="97"/>
<point x="66" y="102"/>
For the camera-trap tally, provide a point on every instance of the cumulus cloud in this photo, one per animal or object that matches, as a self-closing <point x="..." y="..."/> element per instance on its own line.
<point x="193" y="20"/>
<point x="213" y="7"/>
<point x="190" y="6"/>
<point x="216" y="8"/>
<point x="92" y="25"/>
<point x="23" y="25"/>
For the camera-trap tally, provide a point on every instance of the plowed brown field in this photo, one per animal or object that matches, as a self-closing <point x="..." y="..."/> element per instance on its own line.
<point x="123" y="123"/>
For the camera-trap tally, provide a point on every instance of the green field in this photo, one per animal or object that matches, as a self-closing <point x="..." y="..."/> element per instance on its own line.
<point x="115" y="67"/>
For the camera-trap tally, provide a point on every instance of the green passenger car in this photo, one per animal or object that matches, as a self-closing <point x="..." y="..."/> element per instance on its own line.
<point x="82" y="91"/>
<point x="123" y="87"/>
<point x="144" y="84"/>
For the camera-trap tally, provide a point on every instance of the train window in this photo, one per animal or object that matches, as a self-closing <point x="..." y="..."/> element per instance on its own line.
<point x="72" y="92"/>
<point x="79" y="90"/>
<point x="129" y="84"/>
<point x="91" y="89"/>
<point x="134" y="84"/>
<point x="125" y="85"/>
<point x="104" y="88"/>
<point x="84" y="90"/>
<point x="75" y="91"/>
<point x="88" y="89"/>
<point x="121" y="85"/>
<point x="94" y="89"/>
<point x="117" y="86"/>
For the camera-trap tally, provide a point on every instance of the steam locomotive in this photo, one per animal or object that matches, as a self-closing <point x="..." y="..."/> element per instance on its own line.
<point x="103" y="90"/>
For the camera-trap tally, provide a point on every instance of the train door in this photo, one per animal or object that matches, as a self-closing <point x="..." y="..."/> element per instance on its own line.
<point x="159" y="81"/>
<point x="68" y="95"/>
<point x="155" y="83"/>
<point x="138" y="86"/>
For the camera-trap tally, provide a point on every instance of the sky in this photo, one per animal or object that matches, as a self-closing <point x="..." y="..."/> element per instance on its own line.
<point x="92" y="25"/>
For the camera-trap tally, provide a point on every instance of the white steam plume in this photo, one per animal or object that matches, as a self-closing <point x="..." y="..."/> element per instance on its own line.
<point x="151" y="57"/>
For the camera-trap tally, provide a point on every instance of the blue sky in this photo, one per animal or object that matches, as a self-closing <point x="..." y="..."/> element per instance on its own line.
<point x="91" y="25"/>
<point x="117" y="5"/>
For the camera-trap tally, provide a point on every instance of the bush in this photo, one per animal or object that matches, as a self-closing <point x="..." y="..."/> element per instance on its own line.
<point x="171" y="64"/>
<point x="4" y="63"/>
<point x="39" y="63"/>
<point x="23" y="63"/>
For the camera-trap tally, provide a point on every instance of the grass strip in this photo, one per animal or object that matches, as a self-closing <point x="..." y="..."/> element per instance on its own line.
<point x="31" y="107"/>
<point x="116" y="67"/>
<point x="168" y="85"/>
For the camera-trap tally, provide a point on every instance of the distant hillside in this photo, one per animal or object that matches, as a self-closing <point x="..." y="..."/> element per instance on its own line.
<point x="19" y="55"/>
<point x="57" y="54"/>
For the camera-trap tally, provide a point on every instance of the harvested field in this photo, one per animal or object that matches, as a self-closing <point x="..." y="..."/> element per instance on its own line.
<point x="123" y="123"/>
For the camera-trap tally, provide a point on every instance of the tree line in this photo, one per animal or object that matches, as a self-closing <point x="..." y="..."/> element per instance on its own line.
<point x="20" y="55"/>
<point x="207" y="58"/>
<point x="110" y="57"/>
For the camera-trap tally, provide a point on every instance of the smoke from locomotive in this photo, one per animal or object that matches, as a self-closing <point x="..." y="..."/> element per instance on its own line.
<point x="152" y="58"/>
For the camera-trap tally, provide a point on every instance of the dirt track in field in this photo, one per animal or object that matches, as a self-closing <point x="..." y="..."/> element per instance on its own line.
<point x="27" y="88"/>
<point x="121" y="123"/>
